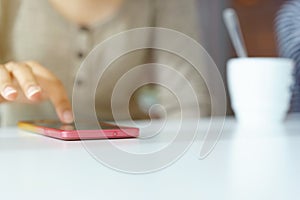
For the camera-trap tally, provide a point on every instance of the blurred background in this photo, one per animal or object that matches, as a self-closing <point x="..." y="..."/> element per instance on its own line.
<point x="257" y="23"/>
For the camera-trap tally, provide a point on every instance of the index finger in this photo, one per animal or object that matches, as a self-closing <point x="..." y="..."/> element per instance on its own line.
<point x="54" y="90"/>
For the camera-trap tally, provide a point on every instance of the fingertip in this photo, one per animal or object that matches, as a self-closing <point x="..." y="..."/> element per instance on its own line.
<point x="9" y="93"/>
<point x="33" y="92"/>
<point x="35" y="97"/>
<point x="67" y="116"/>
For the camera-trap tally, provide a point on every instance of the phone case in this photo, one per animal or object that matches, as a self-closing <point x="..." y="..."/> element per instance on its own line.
<point x="67" y="132"/>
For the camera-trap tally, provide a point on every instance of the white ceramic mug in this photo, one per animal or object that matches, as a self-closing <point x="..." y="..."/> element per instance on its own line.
<point x="260" y="88"/>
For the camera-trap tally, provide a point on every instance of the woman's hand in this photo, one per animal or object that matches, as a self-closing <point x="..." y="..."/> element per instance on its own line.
<point x="30" y="82"/>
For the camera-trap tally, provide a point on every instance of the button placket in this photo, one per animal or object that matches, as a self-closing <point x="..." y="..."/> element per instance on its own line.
<point x="83" y="45"/>
<point x="83" y="42"/>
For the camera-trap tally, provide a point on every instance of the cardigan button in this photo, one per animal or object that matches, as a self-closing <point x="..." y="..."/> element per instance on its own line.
<point x="80" y="55"/>
<point x="79" y="82"/>
<point x="84" y="28"/>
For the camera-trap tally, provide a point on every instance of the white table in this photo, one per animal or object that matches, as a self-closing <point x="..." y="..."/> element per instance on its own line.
<point x="245" y="164"/>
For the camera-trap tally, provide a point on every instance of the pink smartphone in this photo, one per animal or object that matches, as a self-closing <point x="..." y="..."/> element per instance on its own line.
<point x="56" y="129"/>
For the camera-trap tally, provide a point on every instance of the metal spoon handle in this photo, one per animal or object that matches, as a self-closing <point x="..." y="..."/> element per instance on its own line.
<point x="235" y="33"/>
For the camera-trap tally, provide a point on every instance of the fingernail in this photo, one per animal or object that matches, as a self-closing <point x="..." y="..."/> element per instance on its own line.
<point x="68" y="117"/>
<point x="33" y="90"/>
<point x="8" y="91"/>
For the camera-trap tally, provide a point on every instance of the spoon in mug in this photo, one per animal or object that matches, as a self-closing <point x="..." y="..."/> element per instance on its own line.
<point x="235" y="33"/>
